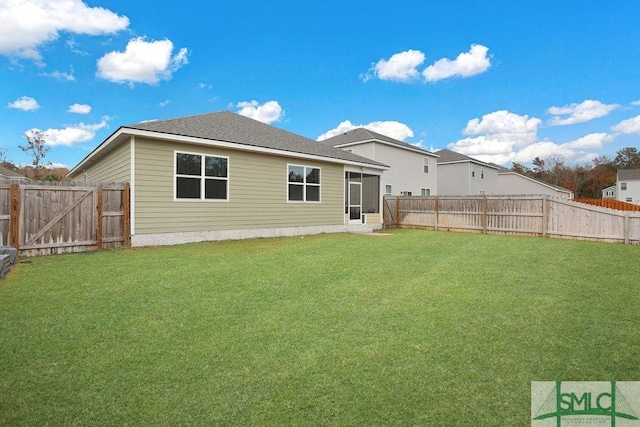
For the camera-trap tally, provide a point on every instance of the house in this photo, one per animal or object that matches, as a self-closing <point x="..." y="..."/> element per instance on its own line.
<point x="224" y="176"/>
<point x="510" y="182"/>
<point x="413" y="171"/>
<point x="628" y="185"/>
<point x="609" y="192"/>
<point x="460" y="175"/>
<point x="8" y="174"/>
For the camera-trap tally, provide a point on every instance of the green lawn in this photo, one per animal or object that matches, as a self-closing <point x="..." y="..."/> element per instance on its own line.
<point x="415" y="328"/>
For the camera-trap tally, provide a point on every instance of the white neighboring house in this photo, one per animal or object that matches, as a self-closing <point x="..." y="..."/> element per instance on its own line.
<point x="609" y="192"/>
<point x="460" y="175"/>
<point x="510" y="182"/>
<point x="628" y="186"/>
<point x="413" y="171"/>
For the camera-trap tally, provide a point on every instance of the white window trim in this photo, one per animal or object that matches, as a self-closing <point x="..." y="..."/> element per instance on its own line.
<point x="390" y="189"/>
<point x="425" y="164"/>
<point x="425" y="190"/>
<point x="202" y="177"/>
<point x="304" y="184"/>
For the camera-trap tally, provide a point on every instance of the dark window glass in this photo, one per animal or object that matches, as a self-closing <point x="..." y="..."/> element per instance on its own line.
<point x="189" y="164"/>
<point x="187" y="188"/>
<point x="215" y="166"/>
<point x="296" y="192"/>
<point x="313" y="193"/>
<point x="313" y="176"/>
<point x="296" y="174"/>
<point x="215" y="189"/>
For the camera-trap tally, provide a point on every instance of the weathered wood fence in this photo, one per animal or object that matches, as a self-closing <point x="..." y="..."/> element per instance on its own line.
<point x="523" y="215"/>
<point x="44" y="219"/>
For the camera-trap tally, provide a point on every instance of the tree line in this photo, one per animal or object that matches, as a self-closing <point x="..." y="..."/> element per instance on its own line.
<point x="586" y="181"/>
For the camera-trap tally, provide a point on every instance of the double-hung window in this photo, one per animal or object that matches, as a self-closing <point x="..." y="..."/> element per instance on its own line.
<point x="425" y="164"/>
<point x="303" y="184"/>
<point x="201" y="177"/>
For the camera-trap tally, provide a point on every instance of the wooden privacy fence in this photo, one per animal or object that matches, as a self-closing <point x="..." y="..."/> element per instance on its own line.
<point x="524" y="215"/>
<point x="44" y="219"/>
<point x="611" y="204"/>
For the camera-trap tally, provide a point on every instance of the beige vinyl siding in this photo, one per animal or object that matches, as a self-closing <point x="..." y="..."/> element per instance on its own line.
<point x="453" y="179"/>
<point x="257" y="192"/>
<point x="115" y="166"/>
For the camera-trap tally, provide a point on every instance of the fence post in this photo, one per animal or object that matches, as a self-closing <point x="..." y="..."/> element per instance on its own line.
<point x="14" y="216"/>
<point x="626" y="228"/>
<point x="484" y="214"/>
<point x="126" y="207"/>
<point x="545" y="215"/>
<point x="99" y="233"/>
<point x="435" y="208"/>
<point x="397" y="211"/>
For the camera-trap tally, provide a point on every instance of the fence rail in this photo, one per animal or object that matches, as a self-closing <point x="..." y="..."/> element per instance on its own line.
<point x="44" y="219"/>
<point x="521" y="215"/>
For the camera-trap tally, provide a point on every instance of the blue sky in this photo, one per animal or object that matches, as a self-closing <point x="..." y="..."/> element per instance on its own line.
<point x="500" y="81"/>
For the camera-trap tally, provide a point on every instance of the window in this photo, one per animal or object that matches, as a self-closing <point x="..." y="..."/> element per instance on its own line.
<point x="426" y="164"/>
<point x="387" y="189"/>
<point x="303" y="184"/>
<point x="482" y="174"/>
<point x="473" y="174"/>
<point x="425" y="191"/>
<point x="623" y="185"/>
<point x="629" y="199"/>
<point x="405" y="193"/>
<point x="201" y="177"/>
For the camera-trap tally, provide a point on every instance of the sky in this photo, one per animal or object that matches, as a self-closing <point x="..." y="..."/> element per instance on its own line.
<point x="501" y="81"/>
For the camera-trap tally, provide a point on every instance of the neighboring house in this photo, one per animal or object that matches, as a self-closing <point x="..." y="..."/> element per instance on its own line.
<point x="224" y="176"/>
<point x="412" y="170"/>
<point x="609" y="192"/>
<point x="460" y="175"/>
<point x="628" y="185"/>
<point x="8" y="174"/>
<point x="510" y="182"/>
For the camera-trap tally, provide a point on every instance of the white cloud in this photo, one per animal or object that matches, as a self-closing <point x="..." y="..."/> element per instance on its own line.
<point x="79" y="109"/>
<point x="392" y="129"/>
<point x="142" y="62"/>
<point x="628" y="126"/>
<point x="24" y="103"/>
<point x="268" y="112"/>
<point x="27" y="24"/>
<point x="165" y="103"/>
<point x="579" y="113"/>
<point x="62" y="76"/>
<point x="593" y="140"/>
<point x="401" y="67"/>
<point x="636" y="102"/>
<point x="467" y="64"/>
<point x="72" y="134"/>
<point x="505" y="137"/>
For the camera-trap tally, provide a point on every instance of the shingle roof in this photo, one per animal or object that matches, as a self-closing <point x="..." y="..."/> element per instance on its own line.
<point x="628" y="174"/>
<point x="448" y="156"/>
<point x="8" y="173"/>
<point x="230" y="127"/>
<point x="362" y="134"/>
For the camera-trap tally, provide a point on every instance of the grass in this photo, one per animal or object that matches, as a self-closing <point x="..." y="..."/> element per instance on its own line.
<point x="419" y="327"/>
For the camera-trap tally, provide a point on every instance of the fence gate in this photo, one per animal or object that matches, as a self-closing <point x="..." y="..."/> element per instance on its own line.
<point x="51" y="219"/>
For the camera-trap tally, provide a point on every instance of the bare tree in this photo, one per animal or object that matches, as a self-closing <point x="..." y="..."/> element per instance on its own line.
<point x="36" y="148"/>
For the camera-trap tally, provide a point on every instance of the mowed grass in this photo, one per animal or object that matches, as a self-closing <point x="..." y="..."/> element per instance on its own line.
<point x="415" y="328"/>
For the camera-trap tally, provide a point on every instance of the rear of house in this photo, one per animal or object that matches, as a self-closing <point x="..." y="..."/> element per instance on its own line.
<point x="223" y="176"/>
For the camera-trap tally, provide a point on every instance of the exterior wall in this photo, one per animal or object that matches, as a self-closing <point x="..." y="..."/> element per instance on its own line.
<point x="511" y="183"/>
<point x="466" y="178"/>
<point x="609" y="192"/>
<point x="453" y="179"/>
<point x="632" y="191"/>
<point x="257" y="193"/>
<point x="406" y="171"/>
<point x="114" y="167"/>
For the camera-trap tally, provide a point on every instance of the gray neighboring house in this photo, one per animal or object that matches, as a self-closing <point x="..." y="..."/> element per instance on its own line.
<point x="460" y="175"/>
<point x="412" y="170"/>
<point x="8" y="174"/>
<point x="628" y="185"/>
<point x="224" y="176"/>
<point x="513" y="183"/>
